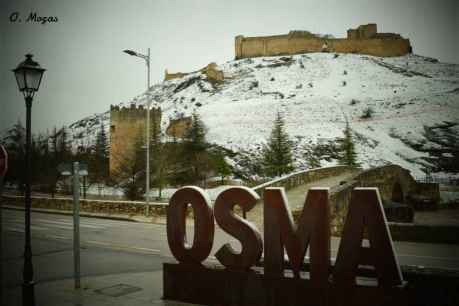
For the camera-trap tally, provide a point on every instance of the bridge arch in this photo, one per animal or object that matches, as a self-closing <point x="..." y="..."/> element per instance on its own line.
<point x="397" y="193"/>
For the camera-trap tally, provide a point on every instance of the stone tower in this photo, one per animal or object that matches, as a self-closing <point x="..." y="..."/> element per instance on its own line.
<point x="126" y="123"/>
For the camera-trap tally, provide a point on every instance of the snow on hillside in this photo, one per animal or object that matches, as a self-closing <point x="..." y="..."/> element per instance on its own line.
<point x="317" y="93"/>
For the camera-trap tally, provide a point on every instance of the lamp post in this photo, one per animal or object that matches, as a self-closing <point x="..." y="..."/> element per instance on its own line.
<point x="147" y="183"/>
<point x="28" y="77"/>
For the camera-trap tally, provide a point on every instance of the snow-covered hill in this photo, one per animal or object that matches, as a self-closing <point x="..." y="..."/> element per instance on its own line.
<point x="317" y="93"/>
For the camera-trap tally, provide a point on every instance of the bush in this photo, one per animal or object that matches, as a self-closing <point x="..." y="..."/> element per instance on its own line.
<point x="367" y="113"/>
<point x="354" y="102"/>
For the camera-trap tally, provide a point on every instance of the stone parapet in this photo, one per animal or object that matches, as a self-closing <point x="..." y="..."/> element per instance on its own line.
<point x="363" y="40"/>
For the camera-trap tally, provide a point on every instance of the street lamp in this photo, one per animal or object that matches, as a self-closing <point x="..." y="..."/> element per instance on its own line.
<point x="147" y="183"/>
<point x="28" y="77"/>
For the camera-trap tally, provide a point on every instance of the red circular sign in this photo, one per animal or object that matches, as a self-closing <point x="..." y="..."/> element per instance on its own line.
<point x="3" y="161"/>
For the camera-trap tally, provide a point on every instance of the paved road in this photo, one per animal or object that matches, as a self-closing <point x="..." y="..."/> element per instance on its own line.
<point x="53" y="234"/>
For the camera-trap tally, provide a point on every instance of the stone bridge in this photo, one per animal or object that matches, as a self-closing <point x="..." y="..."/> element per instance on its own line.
<point x="395" y="184"/>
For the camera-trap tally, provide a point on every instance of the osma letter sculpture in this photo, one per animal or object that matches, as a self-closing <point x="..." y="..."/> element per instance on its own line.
<point x="365" y="215"/>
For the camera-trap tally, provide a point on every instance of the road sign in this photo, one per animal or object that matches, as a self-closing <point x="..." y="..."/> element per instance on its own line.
<point x="3" y="161"/>
<point x="66" y="169"/>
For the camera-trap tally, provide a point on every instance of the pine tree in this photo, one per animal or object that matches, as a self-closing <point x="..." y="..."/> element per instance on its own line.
<point x="64" y="151"/>
<point x="158" y="157"/>
<point x="195" y="155"/>
<point x="277" y="154"/>
<point x="348" y="156"/>
<point x="221" y="166"/>
<point x="195" y="136"/>
<point x="15" y="145"/>
<point x="100" y="157"/>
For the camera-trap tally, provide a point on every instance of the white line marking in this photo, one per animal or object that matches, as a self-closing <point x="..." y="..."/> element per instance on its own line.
<point x="428" y="257"/>
<point x="82" y="224"/>
<point x="15" y="229"/>
<point x="156" y="251"/>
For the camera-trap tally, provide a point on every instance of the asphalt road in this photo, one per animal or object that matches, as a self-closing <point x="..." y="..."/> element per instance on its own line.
<point x="110" y="246"/>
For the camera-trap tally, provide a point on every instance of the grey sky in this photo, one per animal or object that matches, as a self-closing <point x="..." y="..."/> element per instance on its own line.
<point x="87" y="70"/>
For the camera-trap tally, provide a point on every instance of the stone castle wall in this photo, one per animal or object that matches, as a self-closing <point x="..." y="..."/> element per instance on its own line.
<point x="211" y="71"/>
<point x="126" y="125"/>
<point x="363" y="40"/>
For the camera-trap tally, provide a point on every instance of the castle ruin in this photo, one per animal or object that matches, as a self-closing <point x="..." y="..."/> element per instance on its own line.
<point x="363" y="40"/>
<point x="213" y="74"/>
<point x="126" y="125"/>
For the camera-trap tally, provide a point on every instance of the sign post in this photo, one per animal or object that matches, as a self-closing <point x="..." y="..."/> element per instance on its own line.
<point x="76" y="170"/>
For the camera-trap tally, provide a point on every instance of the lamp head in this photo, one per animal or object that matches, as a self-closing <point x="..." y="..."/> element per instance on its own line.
<point x="28" y="76"/>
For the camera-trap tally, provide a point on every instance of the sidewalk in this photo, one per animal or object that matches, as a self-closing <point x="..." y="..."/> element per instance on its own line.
<point x="136" y="289"/>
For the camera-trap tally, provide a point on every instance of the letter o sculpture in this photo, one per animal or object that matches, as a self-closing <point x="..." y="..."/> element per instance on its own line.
<point x="203" y="225"/>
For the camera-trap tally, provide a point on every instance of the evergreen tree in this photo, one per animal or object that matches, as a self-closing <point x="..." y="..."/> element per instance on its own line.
<point x="348" y="156"/>
<point x="277" y="154"/>
<point x="194" y="155"/>
<point x="312" y="159"/>
<point x="221" y="166"/>
<point x="63" y="146"/>
<point x="15" y="145"/>
<point x="99" y="163"/>
<point x="158" y="157"/>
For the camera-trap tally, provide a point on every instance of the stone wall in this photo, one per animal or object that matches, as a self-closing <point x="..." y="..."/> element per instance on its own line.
<point x="170" y="76"/>
<point x="106" y="207"/>
<point x="178" y="127"/>
<point x="213" y="74"/>
<point x="363" y="40"/>
<point x="127" y="124"/>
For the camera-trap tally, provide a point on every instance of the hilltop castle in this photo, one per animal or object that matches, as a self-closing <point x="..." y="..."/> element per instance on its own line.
<point x="364" y="40"/>
<point x="126" y="122"/>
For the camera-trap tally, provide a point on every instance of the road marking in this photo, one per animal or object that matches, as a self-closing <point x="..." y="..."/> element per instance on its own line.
<point x="122" y="247"/>
<point x="21" y="229"/>
<point x="14" y="229"/>
<point x="428" y="257"/>
<point x="64" y="223"/>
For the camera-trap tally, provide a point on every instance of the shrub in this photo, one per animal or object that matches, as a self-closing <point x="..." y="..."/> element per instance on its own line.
<point x="354" y="102"/>
<point x="367" y="113"/>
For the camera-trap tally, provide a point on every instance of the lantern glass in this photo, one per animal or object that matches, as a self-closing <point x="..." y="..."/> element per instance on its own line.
<point x="33" y="79"/>
<point x="20" y="79"/>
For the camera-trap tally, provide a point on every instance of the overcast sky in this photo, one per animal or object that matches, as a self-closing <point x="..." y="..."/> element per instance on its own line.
<point x="87" y="71"/>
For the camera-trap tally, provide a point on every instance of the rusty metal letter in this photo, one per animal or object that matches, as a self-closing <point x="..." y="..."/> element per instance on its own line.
<point x="313" y="229"/>
<point x="244" y="231"/>
<point x="365" y="210"/>
<point x="203" y="225"/>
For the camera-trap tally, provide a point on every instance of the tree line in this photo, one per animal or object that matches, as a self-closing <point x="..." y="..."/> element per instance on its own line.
<point x="174" y="161"/>
<point x="48" y="151"/>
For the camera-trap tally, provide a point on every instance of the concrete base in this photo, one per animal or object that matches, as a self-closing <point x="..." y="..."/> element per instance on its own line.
<point x="218" y="286"/>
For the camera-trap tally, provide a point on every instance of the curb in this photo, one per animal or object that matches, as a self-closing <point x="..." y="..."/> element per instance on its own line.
<point x="70" y="213"/>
